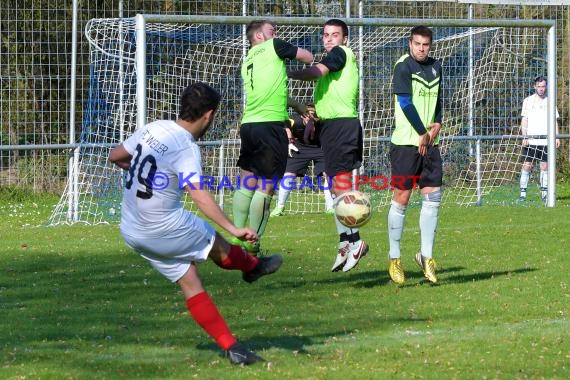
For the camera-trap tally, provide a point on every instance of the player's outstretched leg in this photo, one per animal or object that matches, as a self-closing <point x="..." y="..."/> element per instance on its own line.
<point x="239" y="354"/>
<point x="229" y="257"/>
<point x="266" y="265"/>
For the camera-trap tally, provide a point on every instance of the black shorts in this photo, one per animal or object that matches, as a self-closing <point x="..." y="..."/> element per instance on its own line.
<point x="263" y="148"/>
<point x="306" y="155"/>
<point x="532" y="153"/>
<point x="341" y="141"/>
<point x="409" y="169"/>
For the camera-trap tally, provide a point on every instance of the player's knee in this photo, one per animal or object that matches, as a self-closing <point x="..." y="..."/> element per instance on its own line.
<point x="402" y="197"/>
<point x="219" y="250"/>
<point x="190" y="283"/>
<point x="434" y="196"/>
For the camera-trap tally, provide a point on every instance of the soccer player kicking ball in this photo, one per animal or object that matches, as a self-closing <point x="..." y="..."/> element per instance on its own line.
<point x="341" y="133"/>
<point x="173" y="240"/>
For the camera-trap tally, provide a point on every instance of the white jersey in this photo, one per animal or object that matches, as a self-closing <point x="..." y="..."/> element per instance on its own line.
<point x="164" y="157"/>
<point x="535" y="109"/>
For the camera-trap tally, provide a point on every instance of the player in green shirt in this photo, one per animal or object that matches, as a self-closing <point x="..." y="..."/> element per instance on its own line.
<point x="264" y="142"/>
<point x="414" y="149"/>
<point x="341" y="137"/>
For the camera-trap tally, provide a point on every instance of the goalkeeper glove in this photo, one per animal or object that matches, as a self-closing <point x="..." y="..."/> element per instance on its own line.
<point x="292" y="148"/>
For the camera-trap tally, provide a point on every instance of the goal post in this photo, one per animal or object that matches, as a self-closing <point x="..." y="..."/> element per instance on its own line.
<point x="140" y="65"/>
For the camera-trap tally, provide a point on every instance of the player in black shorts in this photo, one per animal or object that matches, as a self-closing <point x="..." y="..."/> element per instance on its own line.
<point x="305" y="149"/>
<point x="534" y="125"/>
<point x="263" y="151"/>
<point x="414" y="150"/>
<point x="335" y="95"/>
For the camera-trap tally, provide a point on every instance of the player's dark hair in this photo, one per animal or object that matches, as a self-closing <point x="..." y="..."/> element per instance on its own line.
<point x="540" y="78"/>
<point x="196" y="100"/>
<point x="254" y="27"/>
<point x="340" y="23"/>
<point x="421" y="30"/>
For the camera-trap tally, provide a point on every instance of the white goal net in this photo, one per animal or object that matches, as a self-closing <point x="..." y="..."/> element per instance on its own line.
<point x="487" y="73"/>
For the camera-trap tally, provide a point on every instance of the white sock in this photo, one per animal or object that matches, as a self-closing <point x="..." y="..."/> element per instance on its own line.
<point x="396" y="219"/>
<point x="285" y="186"/>
<point x="428" y="226"/>
<point x="543" y="180"/>
<point x="328" y="199"/>
<point x="524" y="179"/>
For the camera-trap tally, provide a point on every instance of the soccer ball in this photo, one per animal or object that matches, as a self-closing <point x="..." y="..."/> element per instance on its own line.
<point x="353" y="209"/>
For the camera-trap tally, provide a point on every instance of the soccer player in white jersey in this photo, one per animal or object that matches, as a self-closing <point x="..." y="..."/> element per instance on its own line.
<point x="534" y="123"/>
<point x="162" y="159"/>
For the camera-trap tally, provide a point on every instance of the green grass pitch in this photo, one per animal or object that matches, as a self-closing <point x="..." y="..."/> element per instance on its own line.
<point x="76" y="303"/>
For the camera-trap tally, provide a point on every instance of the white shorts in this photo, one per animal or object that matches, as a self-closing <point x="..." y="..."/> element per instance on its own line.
<point x="172" y="253"/>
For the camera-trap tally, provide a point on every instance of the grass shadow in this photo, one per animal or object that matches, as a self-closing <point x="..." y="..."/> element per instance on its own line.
<point x="483" y="276"/>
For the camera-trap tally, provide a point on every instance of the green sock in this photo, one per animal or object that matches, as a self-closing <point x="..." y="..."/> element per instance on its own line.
<point x="259" y="211"/>
<point x="242" y="202"/>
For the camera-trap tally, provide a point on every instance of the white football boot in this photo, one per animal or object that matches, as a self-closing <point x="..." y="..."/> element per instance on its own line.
<point x="342" y="255"/>
<point x="356" y="251"/>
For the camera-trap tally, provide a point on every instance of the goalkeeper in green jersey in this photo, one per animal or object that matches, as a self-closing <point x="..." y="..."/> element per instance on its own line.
<point x="341" y="136"/>
<point x="414" y="149"/>
<point x="263" y="151"/>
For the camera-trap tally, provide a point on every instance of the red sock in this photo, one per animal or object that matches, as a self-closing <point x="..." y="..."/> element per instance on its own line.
<point x="238" y="258"/>
<point x="206" y="314"/>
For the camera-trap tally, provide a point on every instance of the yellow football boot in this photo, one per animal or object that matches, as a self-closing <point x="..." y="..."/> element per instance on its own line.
<point x="396" y="271"/>
<point x="428" y="266"/>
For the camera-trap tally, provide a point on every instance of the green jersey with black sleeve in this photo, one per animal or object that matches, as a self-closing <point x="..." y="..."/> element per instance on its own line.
<point x="336" y="92"/>
<point x="265" y="79"/>
<point x="416" y="85"/>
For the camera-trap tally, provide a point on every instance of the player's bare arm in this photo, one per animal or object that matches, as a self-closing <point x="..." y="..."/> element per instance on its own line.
<point x="524" y="130"/>
<point x="310" y="73"/>
<point x="434" y="129"/>
<point x="206" y="203"/>
<point x="120" y="157"/>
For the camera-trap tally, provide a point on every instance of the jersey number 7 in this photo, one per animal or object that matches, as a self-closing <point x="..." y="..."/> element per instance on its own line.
<point x="250" y="73"/>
